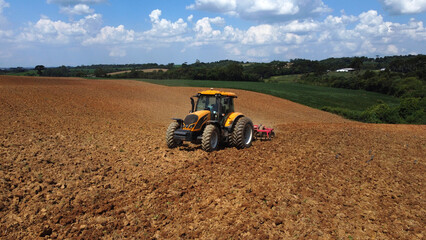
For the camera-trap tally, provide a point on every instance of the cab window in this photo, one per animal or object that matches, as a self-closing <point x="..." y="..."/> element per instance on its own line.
<point x="206" y="103"/>
<point x="227" y="105"/>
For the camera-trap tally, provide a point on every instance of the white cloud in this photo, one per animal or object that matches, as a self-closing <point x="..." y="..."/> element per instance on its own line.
<point x="165" y="28"/>
<point x="233" y="34"/>
<point x="204" y="30"/>
<point x="5" y="35"/>
<point x="334" y="36"/>
<point x="264" y="10"/>
<point x="338" y="36"/>
<point x="59" y="32"/>
<point x="3" y="4"/>
<point x="117" y="52"/>
<point x="256" y="53"/>
<point x="261" y="34"/>
<point x="91" y="23"/>
<point x="404" y="6"/>
<point x="112" y="35"/>
<point x="301" y="26"/>
<point x="392" y="49"/>
<point x="46" y="30"/>
<point x="224" y="6"/>
<point x="79" y="9"/>
<point x="371" y="23"/>
<point x="281" y="49"/>
<point x="232" y="49"/>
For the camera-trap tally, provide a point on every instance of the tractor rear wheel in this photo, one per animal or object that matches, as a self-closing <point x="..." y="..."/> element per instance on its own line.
<point x="242" y="135"/>
<point x="210" y="139"/>
<point x="171" y="142"/>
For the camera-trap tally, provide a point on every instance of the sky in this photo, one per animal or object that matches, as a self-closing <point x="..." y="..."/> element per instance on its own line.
<point x="84" y="32"/>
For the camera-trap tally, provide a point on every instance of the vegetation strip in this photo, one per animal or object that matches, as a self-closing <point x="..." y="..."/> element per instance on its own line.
<point x="358" y="105"/>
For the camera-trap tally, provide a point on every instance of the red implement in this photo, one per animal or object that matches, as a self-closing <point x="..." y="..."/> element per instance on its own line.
<point x="262" y="132"/>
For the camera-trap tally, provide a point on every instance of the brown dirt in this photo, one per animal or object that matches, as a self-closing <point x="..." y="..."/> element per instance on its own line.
<point x="87" y="159"/>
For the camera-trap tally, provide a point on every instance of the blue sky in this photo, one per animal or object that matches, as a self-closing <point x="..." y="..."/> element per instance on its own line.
<point x="77" y="32"/>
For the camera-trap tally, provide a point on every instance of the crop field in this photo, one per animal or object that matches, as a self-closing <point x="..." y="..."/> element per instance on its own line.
<point x="87" y="159"/>
<point x="313" y="96"/>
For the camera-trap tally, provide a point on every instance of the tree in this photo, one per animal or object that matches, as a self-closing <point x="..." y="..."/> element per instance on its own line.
<point x="100" y="72"/>
<point x="39" y="69"/>
<point x="233" y="72"/>
<point x="357" y="63"/>
<point x="170" y="65"/>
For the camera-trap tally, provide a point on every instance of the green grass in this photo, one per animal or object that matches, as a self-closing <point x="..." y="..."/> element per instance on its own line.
<point x="26" y="73"/>
<point x="284" y="78"/>
<point x="296" y="77"/>
<point x="313" y="96"/>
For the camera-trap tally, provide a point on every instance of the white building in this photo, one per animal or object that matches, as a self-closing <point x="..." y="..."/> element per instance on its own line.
<point x="345" y="70"/>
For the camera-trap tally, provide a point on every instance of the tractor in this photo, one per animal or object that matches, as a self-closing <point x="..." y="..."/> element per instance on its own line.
<point x="211" y="122"/>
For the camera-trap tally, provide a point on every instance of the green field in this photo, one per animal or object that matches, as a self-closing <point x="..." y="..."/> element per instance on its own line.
<point x="297" y="77"/>
<point x="26" y="73"/>
<point x="313" y="96"/>
<point x="284" y="78"/>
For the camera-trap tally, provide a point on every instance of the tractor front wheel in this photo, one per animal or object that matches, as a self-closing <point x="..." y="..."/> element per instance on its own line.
<point x="242" y="135"/>
<point x="171" y="142"/>
<point x="210" y="139"/>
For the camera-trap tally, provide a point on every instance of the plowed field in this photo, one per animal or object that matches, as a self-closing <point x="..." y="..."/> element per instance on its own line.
<point x="87" y="159"/>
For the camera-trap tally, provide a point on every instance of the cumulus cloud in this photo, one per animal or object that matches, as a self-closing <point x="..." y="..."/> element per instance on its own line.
<point x="79" y="9"/>
<point x="59" y="32"/>
<point x="203" y="28"/>
<point x="165" y="28"/>
<point x="371" y="23"/>
<point x="261" y="34"/>
<point x="365" y="34"/>
<point x="334" y="36"/>
<point x="76" y="7"/>
<point x="112" y="35"/>
<point x="399" y="7"/>
<point x="46" y="30"/>
<point x="264" y="10"/>
<point x="223" y="6"/>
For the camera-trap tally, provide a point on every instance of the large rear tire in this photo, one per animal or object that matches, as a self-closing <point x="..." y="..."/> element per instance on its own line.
<point x="171" y="142"/>
<point x="210" y="139"/>
<point x="242" y="136"/>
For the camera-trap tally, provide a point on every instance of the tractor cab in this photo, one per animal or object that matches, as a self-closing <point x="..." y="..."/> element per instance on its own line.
<point x="220" y="104"/>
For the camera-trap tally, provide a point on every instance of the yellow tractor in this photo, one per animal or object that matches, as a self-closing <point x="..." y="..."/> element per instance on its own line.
<point x="211" y="122"/>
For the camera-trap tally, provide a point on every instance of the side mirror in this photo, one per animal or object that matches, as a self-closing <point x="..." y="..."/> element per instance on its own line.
<point x="192" y="105"/>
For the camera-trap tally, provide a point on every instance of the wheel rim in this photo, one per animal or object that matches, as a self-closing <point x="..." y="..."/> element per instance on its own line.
<point x="248" y="134"/>
<point x="214" y="140"/>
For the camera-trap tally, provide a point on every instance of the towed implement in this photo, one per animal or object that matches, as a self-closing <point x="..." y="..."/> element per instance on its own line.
<point x="262" y="132"/>
<point x="211" y="122"/>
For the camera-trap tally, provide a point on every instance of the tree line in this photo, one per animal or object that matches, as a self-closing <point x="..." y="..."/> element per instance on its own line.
<point x="404" y="76"/>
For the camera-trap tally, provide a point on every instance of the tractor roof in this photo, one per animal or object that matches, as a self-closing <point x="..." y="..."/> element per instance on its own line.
<point x="215" y="92"/>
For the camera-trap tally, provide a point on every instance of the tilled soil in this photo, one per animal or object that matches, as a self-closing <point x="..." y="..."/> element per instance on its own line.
<point x="87" y="159"/>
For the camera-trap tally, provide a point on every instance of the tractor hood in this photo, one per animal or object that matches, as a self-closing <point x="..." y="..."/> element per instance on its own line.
<point x="196" y="120"/>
